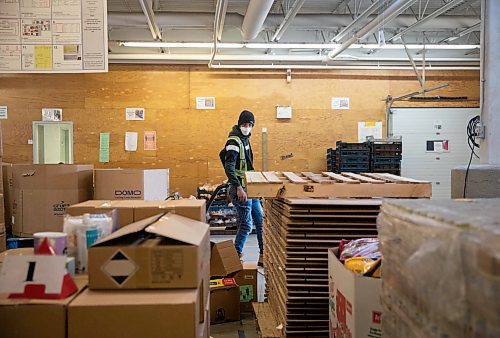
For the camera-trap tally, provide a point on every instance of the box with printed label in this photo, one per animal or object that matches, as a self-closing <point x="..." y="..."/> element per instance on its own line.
<point x="41" y="318"/>
<point x="164" y="251"/>
<point x="247" y="280"/>
<point x="354" y="302"/>
<point x="42" y="192"/>
<point x="139" y="313"/>
<point x="131" y="184"/>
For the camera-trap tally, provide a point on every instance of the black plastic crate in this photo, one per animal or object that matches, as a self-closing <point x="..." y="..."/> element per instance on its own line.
<point x="386" y="160"/>
<point x="353" y="166"/>
<point x="387" y="153"/>
<point x="353" y="159"/>
<point x="352" y="146"/>
<point x="391" y="146"/>
<point x="353" y="153"/>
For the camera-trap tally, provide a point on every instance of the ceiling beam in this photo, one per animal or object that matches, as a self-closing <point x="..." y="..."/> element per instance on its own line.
<point x="147" y="9"/>
<point x="466" y="31"/>
<point x="373" y="7"/>
<point x="287" y="20"/>
<point x="429" y="17"/>
<point x="396" y="8"/>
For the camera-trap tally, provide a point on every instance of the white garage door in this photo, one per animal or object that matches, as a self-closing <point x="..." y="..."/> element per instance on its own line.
<point x="434" y="142"/>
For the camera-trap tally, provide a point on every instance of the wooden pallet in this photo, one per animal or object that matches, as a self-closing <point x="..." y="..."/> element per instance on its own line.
<point x="327" y="184"/>
<point x="266" y="324"/>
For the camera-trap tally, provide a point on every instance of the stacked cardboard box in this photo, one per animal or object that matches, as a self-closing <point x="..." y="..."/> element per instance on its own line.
<point x="298" y="234"/>
<point x="133" y="211"/>
<point x="440" y="276"/>
<point x="38" y="194"/>
<point x="131" y="184"/>
<point x="42" y="318"/>
<point x="224" y="297"/>
<point x="148" y="279"/>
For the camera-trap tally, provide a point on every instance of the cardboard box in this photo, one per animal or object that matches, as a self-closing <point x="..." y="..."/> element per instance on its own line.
<point x="135" y="184"/>
<point x="224" y="259"/>
<point x="125" y="212"/>
<point x="42" y="192"/>
<point x="247" y="280"/>
<point x="8" y="191"/>
<point x="133" y="211"/>
<point x="41" y="318"/>
<point x="355" y="307"/>
<point x="138" y="313"/>
<point x="167" y="251"/>
<point x="224" y="304"/>
<point x="194" y="209"/>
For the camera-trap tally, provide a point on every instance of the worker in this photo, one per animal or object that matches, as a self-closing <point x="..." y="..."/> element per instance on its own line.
<point x="238" y="159"/>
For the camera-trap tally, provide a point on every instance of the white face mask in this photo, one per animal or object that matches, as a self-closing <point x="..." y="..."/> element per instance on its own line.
<point x="246" y="130"/>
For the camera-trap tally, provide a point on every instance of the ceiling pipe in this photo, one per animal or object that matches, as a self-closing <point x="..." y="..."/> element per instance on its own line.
<point x="255" y="16"/>
<point x="389" y="14"/>
<point x="373" y="7"/>
<point x="287" y="20"/>
<point x="429" y="17"/>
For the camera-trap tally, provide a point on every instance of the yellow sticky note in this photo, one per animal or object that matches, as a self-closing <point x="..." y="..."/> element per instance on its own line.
<point x="43" y="57"/>
<point x="370" y="124"/>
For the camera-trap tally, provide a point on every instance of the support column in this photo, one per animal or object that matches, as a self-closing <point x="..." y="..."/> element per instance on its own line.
<point x="490" y="146"/>
<point x="483" y="180"/>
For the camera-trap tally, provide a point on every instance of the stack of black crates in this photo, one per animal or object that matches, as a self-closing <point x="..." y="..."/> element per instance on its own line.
<point x="372" y="156"/>
<point x="386" y="157"/>
<point x="351" y="157"/>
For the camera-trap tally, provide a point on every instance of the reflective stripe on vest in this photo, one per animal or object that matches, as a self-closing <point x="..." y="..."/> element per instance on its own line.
<point x="240" y="173"/>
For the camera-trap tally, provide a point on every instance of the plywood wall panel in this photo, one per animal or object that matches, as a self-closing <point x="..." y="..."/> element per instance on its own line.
<point x="189" y="140"/>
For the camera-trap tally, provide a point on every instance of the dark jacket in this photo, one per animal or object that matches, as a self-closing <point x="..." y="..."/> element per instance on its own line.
<point x="232" y="162"/>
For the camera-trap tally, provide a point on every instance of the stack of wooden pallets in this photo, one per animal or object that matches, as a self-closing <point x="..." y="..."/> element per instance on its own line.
<point x="297" y="234"/>
<point x="298" y="230"/>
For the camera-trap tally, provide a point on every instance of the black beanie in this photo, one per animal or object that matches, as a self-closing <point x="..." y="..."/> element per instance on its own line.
<point x="246" y="116"/>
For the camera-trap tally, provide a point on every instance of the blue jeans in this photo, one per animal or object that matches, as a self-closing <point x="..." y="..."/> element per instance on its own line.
<point x="250" y="213"/>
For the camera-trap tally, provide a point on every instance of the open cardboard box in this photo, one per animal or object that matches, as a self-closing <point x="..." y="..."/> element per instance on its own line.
<point x="164" y="251"/>
<point x="354" y="301"/>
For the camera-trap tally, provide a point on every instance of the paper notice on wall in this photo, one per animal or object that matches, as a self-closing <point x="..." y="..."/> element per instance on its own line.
<point x="52" y="114"/>
<point x="3" y="112"/>
<point x="104" y="147"/>
<point x="135" y="114"/>
<point x="438" y="146"/>
<point x="150" y="140"/>
<point x="205" y="102"/>
<point x="53" y="36"/>
<point x="366" y="129"/>
<point x="340" y="103"/>
<point x="131" y="141"/>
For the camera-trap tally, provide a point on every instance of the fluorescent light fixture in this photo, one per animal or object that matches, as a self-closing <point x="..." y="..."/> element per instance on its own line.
<point x="331" y="46"/>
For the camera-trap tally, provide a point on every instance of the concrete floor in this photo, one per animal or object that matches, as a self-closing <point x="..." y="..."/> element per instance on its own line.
<point x="245" y="328"/>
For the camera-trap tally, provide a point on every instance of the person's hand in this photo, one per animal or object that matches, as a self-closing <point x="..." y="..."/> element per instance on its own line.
<point x="242" y="195"/>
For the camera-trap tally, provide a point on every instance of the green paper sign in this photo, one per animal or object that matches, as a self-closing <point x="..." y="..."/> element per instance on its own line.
<point x="104" y="148"/>
<point x="246" y="293"/>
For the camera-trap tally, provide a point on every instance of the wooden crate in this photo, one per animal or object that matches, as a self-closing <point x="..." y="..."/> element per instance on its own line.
<point x="327" y="184"/>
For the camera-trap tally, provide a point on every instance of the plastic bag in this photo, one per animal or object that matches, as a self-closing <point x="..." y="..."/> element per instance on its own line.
<point x="363" y="247"/>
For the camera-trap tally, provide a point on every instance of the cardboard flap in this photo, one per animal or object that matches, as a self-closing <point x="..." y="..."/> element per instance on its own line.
<point x="180" y="228"/>
<point x="129" y="229"/>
